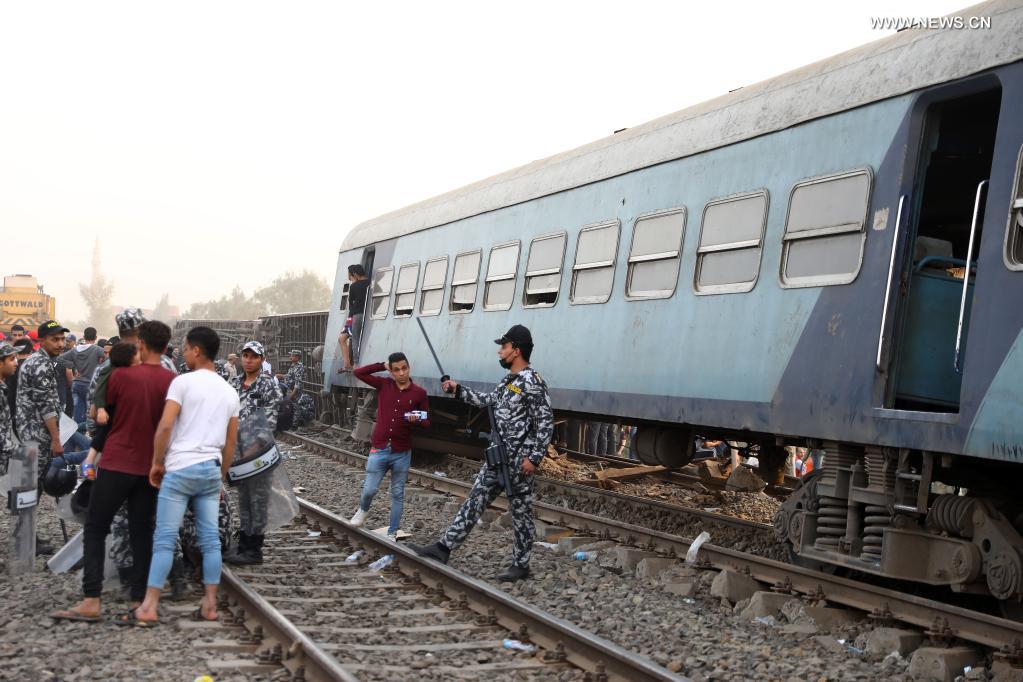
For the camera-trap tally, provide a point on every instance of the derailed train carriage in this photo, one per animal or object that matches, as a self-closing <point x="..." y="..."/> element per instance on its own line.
<point x="831" y="258"/>
<point x="279" y="334"/>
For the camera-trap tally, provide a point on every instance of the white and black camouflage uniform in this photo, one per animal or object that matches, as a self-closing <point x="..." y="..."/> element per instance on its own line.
<point x="36" y="401"/>
<point x="525" y="420"/>
<point x="254" y="493"/>
<point x="294" y="377"/>
<point x="8" y="443"/>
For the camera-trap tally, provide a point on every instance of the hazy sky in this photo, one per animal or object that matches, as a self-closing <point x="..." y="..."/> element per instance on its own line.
<point x="209" y="144"/>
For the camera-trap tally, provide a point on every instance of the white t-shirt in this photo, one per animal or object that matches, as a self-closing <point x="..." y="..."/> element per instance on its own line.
<point x="207" y="405"/>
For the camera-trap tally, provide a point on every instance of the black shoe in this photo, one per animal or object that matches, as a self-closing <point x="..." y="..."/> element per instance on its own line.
<point x="513" y="573"/>
<point x="434" y="551"/>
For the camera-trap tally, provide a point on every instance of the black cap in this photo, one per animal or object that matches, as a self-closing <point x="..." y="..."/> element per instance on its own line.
<point x="518" y="336"/>
<point x="49" y="328"/>
<point x="24" y="346"/>
<point x="113" y="340"/>
<point x="102" y="343"/>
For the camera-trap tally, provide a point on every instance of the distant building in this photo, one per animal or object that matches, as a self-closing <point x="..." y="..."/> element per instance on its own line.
<point x="22" y="301"/>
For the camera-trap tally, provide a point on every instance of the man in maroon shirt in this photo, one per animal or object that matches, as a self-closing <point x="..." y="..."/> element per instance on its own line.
<point x="139" y="394"/>
<point x="400" y="404"/>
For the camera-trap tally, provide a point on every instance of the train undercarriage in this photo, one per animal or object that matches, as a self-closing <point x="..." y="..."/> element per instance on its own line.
<point x="910" y="515"/>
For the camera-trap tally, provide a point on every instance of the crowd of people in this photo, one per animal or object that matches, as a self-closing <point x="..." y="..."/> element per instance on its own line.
<point x="153" y="431"/>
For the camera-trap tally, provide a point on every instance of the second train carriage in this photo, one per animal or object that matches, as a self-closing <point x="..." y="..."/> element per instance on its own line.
<point x="829" y="258"/>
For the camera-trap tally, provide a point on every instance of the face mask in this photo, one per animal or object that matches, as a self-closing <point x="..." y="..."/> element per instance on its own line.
<point x="504" y="363"/>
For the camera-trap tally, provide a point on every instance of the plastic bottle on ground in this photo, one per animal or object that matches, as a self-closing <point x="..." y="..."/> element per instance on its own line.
<point x="382" y="562"/>
<point x="355" y="556"/>
<point x="584" y="556"/>
<point x="516" y="645"/>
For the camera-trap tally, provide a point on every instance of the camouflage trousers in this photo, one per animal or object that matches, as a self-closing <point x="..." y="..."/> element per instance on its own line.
<point x="484" y="491"/>
<point x="253" y="500"/>
<point x="188" y="538"/>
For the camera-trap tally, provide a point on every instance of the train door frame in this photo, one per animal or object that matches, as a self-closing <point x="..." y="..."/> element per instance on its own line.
<point x="910" y="384"/>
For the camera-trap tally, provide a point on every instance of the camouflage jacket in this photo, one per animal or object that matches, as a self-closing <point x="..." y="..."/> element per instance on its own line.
<point x="7" y="440"/>
<point x="294" y="377"/>
<point x="264" y="393"/>
<point x="522" y="408"/>
<point x="168" y="364"/>
<point x="220" y="367"/>
<point x="37" y="399"/>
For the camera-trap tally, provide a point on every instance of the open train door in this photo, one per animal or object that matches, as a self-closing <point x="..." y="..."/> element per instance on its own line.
<point x="946" y="214"/>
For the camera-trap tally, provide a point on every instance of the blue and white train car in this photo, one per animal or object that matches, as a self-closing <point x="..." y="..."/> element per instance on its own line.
<point x="833" y="258"/>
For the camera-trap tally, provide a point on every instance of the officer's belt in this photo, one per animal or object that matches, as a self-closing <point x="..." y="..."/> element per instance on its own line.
<point x="254" y="466"/>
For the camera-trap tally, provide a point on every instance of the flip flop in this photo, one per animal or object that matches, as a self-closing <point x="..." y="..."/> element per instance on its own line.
<point x="72" y="615"/>
<point x="129" y="618"/>
<point x="197" y="615"/>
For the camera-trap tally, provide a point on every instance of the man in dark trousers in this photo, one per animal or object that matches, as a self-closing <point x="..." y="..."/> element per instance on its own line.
<point x="139" y="394"/>
<point x="352" y="333"/>
<point x="525" y="421"/>
<point x="400" y="404"/>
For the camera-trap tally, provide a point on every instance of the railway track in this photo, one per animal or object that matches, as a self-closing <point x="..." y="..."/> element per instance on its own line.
<point x="324" y="618"/>
<point x="939" y="620"/>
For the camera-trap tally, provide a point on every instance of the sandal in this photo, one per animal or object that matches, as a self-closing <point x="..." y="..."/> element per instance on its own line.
<point x="76" y="616"/>
<point x="129" y="618"/>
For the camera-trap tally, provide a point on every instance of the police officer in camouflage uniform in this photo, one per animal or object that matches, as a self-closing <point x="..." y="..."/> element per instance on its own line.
<point x="256" y="391"/>
<point x="525" y="420"/>
<point x="294" y="377"/>
<point x="38" y="402"/>
<point x="8" y="443"/>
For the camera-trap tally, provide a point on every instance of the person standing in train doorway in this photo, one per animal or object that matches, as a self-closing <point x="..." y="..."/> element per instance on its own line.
<point x="525" y="420"/>
<point x="352" y="333"/>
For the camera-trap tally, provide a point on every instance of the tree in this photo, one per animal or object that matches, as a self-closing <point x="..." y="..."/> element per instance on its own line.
<point x="235" y="306"/>
<point x="98" y="293"/>
<point x="294" y="293"/>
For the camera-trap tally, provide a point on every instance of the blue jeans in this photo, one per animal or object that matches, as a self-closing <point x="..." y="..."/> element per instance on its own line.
<point x="378" y="464"/>
<point x="199" y="485"/>
<point x="80" y="393"/>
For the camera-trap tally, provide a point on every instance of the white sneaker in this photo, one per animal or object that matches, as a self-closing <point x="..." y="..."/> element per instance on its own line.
<point x="393" y="537"/>
<point x="359" y="518"/>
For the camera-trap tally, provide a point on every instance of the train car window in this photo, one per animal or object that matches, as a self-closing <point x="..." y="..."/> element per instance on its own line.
<point x="1014" y="232"/>
<point x="543" y="271"/>
<point x="501" y="270"/>
<point x="731" y="240"/>
<point x="405" y="291"/>
<point x="824" y="230"/>
<point x="594" y="269"/>
<point x="381" y="292"/>
<point x="344" y="296"/>
<point x="654" y="255"/>
<point x="464" y="281"/>
<point x="433" y="286"/>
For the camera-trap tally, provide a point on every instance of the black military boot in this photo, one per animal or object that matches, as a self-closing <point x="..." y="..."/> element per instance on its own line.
<point x="434" y="551"/>
<point x="236" y="556"/>
<point x="513" y="573"/>
<point x="43" y="547"/>
<point x="253" y="554"/>
<point x="180" y="590"/>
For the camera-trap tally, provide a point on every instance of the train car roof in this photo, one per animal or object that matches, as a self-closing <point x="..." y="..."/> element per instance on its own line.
<point x="892" y="66"/>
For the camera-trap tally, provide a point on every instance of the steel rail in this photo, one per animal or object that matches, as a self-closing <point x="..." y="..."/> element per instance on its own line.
<point x="299" y="651"/>
<point x="456" y="487"/>
<point x="942" y="619"/>
<point x="580" y="648"/>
